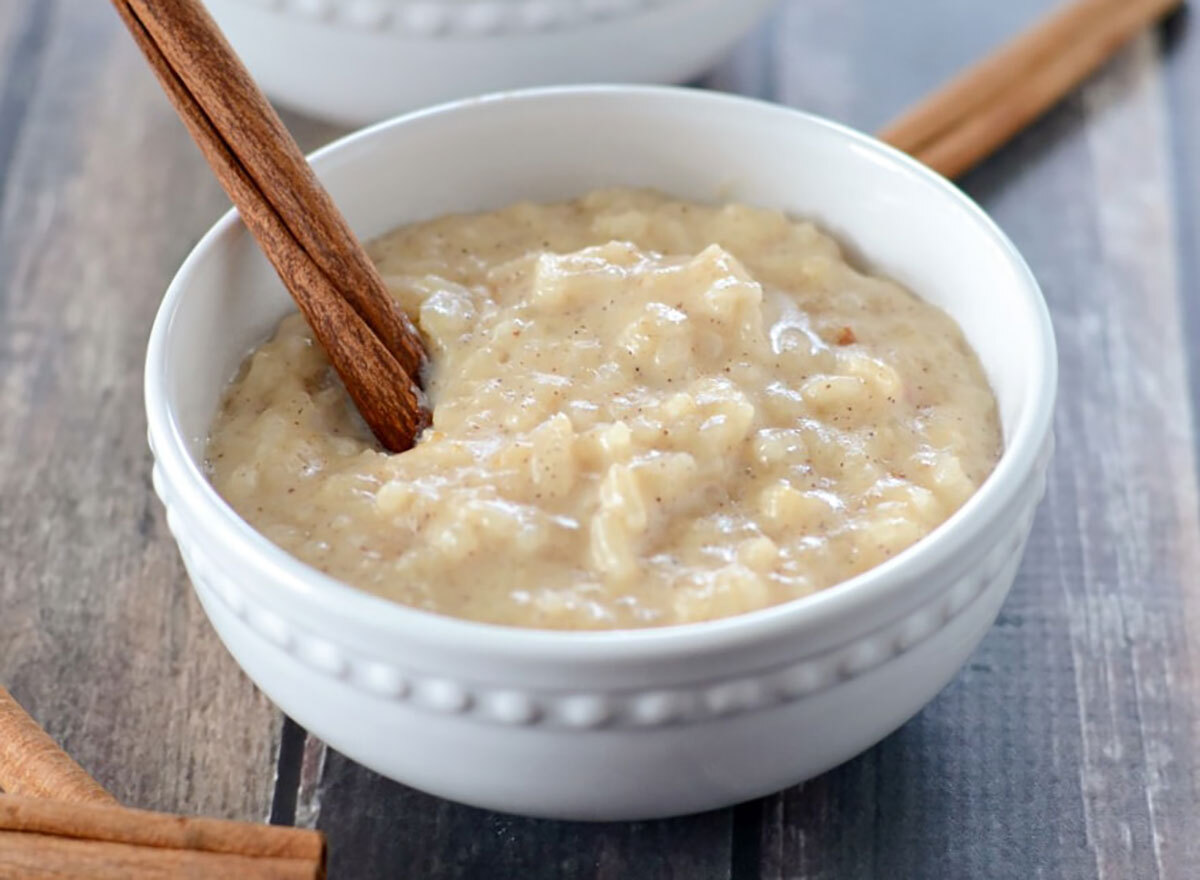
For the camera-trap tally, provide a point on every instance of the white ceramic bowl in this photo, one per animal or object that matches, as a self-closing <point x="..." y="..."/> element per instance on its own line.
<point x="627" y="724"/>
<point x="357" y="61"/>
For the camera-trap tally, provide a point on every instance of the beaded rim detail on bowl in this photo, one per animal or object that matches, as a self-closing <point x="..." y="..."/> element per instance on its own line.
<point x="425" y="19"/>
<point x="658" y="707"/>
<point x="963" y="546"/>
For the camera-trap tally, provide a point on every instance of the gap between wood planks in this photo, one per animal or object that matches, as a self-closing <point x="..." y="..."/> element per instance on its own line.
<point x="292" y="741"/>
<point x="298" y="772"/>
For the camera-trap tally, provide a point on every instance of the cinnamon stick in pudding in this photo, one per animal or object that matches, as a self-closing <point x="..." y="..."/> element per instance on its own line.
<point x="370" y="342"/>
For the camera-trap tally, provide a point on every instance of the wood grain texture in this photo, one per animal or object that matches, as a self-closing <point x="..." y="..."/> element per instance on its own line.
<point x="1181" y="79"/>
<point x="100" y="636"/>
<point x="381" y="829"/>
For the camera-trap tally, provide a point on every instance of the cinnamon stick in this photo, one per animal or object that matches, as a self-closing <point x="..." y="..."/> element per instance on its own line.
<point x="367" y="337"/>
<point x="196" y="50"/>
<point x="983" y="108"/>
<point x="40" y="857"/>
<point x="998" y="71"/>
<point x="116" y="824"/>
<point x="31" y="762"/>
<point x="42" y="837"/>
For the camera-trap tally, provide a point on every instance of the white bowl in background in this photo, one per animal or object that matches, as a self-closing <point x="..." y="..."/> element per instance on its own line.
<point x="358" y="61"/>
<point x="624" y="724"/>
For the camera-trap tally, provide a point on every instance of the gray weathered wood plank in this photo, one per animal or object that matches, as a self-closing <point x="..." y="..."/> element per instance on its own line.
<point x="1068" y="746"/>
<point x="381" y="829"/>
<point x="100" y="636"/>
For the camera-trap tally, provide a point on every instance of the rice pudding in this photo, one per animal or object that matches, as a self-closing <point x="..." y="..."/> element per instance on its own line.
<point x="645" y="412"/>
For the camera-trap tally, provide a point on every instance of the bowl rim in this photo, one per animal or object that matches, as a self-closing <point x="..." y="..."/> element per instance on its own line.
<point x="339" y="600"/>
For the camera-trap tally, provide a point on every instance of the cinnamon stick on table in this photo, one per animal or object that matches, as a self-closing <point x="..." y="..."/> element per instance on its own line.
<point x="38" y="857"/>
<point x="76" y="829"/>
<point x="32" y="763"/>
<point x="44" y="838"/>
<point x="981" y="109"/>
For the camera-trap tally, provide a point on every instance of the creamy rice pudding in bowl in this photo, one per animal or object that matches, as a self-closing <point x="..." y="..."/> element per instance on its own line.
<point x="709" y="504"/>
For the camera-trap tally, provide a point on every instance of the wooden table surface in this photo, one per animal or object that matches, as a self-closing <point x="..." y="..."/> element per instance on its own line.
<point x="1068" y="747"/>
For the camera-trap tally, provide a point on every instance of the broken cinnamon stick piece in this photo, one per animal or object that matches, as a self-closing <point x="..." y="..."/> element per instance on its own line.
<point x="31" y="763"/>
